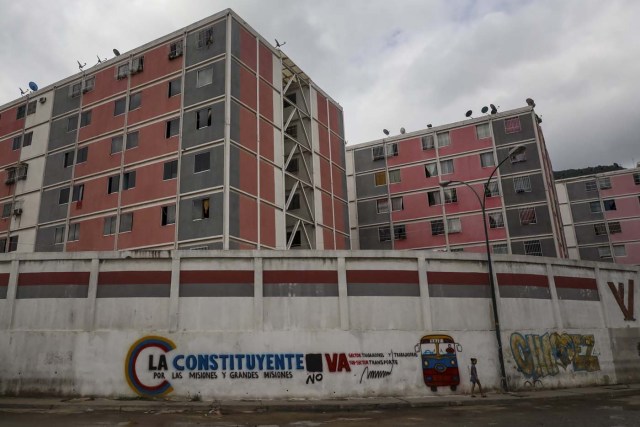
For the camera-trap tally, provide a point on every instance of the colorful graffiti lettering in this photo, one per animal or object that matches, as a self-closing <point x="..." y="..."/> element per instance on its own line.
<point x="618" y="294"/>
<point x="538" y="356"/>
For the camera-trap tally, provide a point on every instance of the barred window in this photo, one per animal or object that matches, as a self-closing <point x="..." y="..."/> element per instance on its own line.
<point x="590" y="186"/>
<point x="399" y="232"/>
<point x="500" y="248"/>
<point x="614" y="227"/>
<point x="522" y="184"/>
<point x="527" y="216"/>
<point x="437" y="227"/>
<point x="600" y="229"/>
<point x="454" y="225"/>
<point x="496" y="220"/>
<point x="532" y="247"/>
<point x="512" y="125"/>
<point x="427" y="142"/>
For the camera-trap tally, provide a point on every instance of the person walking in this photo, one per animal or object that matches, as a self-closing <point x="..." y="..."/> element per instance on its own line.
<point x="474" y="378"/>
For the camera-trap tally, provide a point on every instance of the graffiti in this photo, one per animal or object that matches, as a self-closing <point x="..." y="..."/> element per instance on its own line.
<point x="533" y="384"/>
<point x="379" y="374"/>
<point x="618" y="294"/>
<point x="538" y="356"/>
<point x="439" y="361"/>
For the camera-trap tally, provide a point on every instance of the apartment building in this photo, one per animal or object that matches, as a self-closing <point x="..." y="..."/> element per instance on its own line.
<point x="601" y="215"/>
<point x="207" y="138"/>
<point x="397" y="200"/>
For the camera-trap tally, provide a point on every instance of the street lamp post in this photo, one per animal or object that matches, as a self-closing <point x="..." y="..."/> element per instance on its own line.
<point x="513" y="152"/>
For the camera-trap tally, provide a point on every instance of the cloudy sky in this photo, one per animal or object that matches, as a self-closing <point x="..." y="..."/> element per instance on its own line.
<point x="390" y="64"/>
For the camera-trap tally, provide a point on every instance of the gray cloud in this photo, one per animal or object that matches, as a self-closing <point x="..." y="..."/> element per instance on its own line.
<point x="390" y="64"/>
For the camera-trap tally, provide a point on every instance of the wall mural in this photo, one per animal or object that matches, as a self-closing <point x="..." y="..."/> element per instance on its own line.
<point x="538" y="356"/>
<point x="439" y="361"/>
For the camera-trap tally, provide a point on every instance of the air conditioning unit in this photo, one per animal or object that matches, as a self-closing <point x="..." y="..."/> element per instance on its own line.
<point x="43" y="100"/>
<point x="17" y="211"/>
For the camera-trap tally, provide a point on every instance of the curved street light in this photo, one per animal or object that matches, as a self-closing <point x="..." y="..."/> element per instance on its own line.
<point x="519" y="149"/>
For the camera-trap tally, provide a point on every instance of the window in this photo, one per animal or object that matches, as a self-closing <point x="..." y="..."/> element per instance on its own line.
<point x="427" y="142"/>
<point x="446" y="167"/>
<point x="109" y="225"/>
<point x="380" y="178"/>
<point x="443" y="139"/>
<point x="604" y="251"/>
<point x="63" y="196"/>
<point x="292" y="131"/>
<point x="431" y="169"/>
<point x="636" y="178"/>
<point x="522" y="184"/>
<point x="384" y="234"/>
<point x="175" y="49"/>
<point x="116" y="144"/>
<point x="28" y="138"/>
<point x="200" y="209"/>
<point x="128" y="180"/>
<point x="17" y="143"/>
<point x="500" y="248"/>
<point x="295" y="202"/>
<point x="3" y="245"/>
<point x="75" y="89"/>
<point x="203" y="118"/>
<point x="619" y="251"/>
<point x="496" y="220"/>
<point x="22" y="171"/>
<point x="518" y="158"/>
<point x="614" y="227"/>
<point x="591" y="186"/>
<point x="532" y="247"/>
<point x="450" y="195"/>
<point x="204" y="77"/>
<point x="492" y="189"/>
<point x="483" y="131"/>
<point x="137" y="64"/>
<point x="201" y="162"/>
<point x="6" y="210"/>
<point x="173" y="128"/>
<point x="72" y="123"/>
<point x="168" y="214"/>
<point x="600" y="229"/>
<point x="58" y="235"/>
<point x="292" y="167"/>
<point x="20" y="113"/>
<point x="609" y="205"/>
<point x="205" y="38"/>
<point x="604" y="183"/>
<point x="382" y="206"/>
<point x="399" y="232"/>
<point x="11" y="175"/>
<point x="512" y="125"/>
<point x="454" y="225"/>
<point x="456" y="250"/>
<point x="126" y="222"/>
<point x="68" y="159"/>
<point x="434" y="198"/>
<point x="175" y="87"/>
<point x="296" y="240"/>
<point x="31" y="107"/>
<point x="78" y="193"/>
<point x="119" y="106"/>
<point x="378" y="152"/>
<point x="114" y="184"/>
<point x="397" y="203"/>
<point x="82" y="155"/>
<point x="135" y="100"/>
<point x="486" y="160"/>
<point x="595" y="207"/>
<point x="13" y="244"/>
<point x="527" y="216"/>
<point x="74" y="232"/>
<point x="437" y="227"/>
<point x="89" y="84"/>
<point x="394" y="176"/>
<point x="170" y="170"/>
<point x="123" y="71"/>
<point x="132" y="139"/>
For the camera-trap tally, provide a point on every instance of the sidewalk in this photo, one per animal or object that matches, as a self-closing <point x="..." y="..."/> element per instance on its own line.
<point x="25" y="404"/>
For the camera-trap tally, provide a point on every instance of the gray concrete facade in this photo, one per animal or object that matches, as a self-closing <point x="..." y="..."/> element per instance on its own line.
<point x="195" y="54"/>
<point x="190" y="228"/>
<point x="527" y="130"/>
<point x="192" y="136"/>
<point x="63" y="102"/>
<point x="213" y="177"/>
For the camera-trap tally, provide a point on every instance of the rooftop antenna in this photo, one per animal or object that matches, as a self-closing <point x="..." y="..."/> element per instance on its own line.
<point x="494" y="109"/>
<point x="484" y="109"/>
<point x="429" y="125"/>
<point x="100" y="60"/>
<point x="403" y="131"/>
<point x="116" y="52"/>
<point x="81" y="66"/>
<point x="33" y="86"/>
<point x="22" y="92"/>
<point x="386" y="132"/>
<point x="278" y="44"/>
<point x="468" y="113"/>
<point x="530" y="102"/>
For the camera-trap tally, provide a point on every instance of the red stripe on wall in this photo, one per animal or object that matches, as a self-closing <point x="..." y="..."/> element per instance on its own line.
<point x="455" y="278"/>
<point x="382" y="276"/>
<point x="4" y="279"/>
<point x="300" y="276"/>
<point x="575" y="282"/>
<point x="54" y="278"/>
<point x="512" y="279"/>
<point x="213" y="276"/>
<point x="134" y="277"/>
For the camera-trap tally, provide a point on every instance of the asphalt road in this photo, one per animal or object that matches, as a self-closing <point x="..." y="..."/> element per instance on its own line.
<point x="584" y="411"/>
